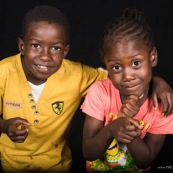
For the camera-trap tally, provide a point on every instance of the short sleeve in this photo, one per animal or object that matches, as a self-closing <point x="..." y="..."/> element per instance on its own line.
<point x="94" y="102"/>
<point x="162" y="125"/>
<point x="89" y="76"/>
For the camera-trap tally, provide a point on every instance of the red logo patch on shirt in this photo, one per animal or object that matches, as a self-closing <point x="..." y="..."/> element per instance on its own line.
<point x="12" y="104"/>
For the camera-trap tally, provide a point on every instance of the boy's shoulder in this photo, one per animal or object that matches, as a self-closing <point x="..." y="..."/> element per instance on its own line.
<point x="11" y="62"/>
<point x="10" y="65"/>
<point x="76" y="67"/>
<point x="9" y="59"/>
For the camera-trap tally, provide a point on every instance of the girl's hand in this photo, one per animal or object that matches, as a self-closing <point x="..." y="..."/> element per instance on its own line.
<point x="125" y="129"/>
<point x="131" y="106"/>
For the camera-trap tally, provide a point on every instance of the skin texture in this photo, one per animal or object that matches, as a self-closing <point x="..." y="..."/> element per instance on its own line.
<point x="129" y="64"/>
<point x="130" y="70"/>
<point x="43" y="50"/>
<point x="128" y="74"/>
<point x="165" y="95"/>
<point x="16" y="128"/>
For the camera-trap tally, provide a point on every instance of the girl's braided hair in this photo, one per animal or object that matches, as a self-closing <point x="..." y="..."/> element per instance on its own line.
<point x="131" y="24"/>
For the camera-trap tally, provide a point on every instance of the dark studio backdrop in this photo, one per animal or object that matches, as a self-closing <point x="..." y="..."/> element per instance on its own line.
<point x="88" y="19"/>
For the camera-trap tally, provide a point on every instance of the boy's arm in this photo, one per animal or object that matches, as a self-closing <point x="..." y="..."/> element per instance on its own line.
<point x="163" y="92"/>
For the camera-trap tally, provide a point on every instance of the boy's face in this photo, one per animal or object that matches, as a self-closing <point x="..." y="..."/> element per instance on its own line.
<point x="43" y="49"/>
<point x="129" y="64"/>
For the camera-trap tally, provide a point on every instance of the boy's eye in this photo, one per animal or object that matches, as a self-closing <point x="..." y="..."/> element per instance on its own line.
<point x="56" y="48"/>
<point x="136" y="63"/>
<point x="117" y="67"/>
<point x="35" y="45"/>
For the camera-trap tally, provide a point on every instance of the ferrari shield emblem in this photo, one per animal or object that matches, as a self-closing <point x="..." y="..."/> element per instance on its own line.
<point x="58" y="107"/>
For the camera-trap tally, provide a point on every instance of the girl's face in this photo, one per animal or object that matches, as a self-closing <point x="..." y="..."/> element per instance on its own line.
<point x="129" y="64"/>
<point x="43" y="49"/>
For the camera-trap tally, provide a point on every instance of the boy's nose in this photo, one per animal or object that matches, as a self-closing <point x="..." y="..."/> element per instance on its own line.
<point x="44" y="57"/>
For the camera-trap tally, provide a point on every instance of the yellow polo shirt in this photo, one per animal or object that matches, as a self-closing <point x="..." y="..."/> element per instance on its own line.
<point x="45" y="149"/>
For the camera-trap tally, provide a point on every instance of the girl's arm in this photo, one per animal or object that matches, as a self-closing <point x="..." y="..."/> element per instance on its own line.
<point x="97" y="137"/>
<point x="144" y="151"/>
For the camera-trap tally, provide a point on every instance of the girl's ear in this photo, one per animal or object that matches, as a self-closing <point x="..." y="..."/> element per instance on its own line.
<point x="21" y="46"/>
<point x="154" y="57"/>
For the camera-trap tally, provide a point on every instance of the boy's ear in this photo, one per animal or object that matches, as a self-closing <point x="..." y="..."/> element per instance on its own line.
<point x="66" y="50"/>
<point x="154" y="57"/>
<point x="20" y="45"/>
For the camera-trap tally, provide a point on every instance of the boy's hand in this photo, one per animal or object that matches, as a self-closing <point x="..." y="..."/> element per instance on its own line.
<point x="161" y="91"/>
<point x="16" y="129"/>
<point x="166" y="98"/>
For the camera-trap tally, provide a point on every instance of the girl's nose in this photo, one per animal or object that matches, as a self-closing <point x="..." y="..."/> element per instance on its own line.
<point x="128" y="75"/>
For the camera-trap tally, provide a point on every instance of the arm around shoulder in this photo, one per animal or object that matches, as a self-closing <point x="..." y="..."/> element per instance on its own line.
<point x="161" y="91"/>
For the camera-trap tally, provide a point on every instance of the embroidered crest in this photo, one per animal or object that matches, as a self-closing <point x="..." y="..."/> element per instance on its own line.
<point x="58" y="107"/>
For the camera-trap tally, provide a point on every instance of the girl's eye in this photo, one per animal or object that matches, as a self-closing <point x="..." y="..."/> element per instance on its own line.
<point x="136" y="63"/>
<point x="35" y="45"/>
<point x="117" y="67"/>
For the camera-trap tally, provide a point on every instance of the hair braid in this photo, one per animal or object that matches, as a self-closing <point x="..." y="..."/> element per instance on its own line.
<point x="131" y="24"/>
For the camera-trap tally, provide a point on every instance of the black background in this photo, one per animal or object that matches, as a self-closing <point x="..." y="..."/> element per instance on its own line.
<point x="87" y="19"/>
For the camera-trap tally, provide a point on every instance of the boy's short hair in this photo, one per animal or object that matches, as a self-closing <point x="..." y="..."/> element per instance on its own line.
<point x="45" y="13"/>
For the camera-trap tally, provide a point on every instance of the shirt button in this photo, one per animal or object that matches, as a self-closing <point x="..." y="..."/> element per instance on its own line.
<point x="32" y="100"/>
<point x="36" y="112"/>
<point x="33" y="107"/>
<point x="36" y="122"/>
<point x="30" y="95"/>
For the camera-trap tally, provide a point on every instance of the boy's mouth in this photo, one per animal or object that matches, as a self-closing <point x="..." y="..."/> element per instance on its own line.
<point x="42" y="66"/>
